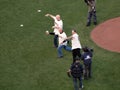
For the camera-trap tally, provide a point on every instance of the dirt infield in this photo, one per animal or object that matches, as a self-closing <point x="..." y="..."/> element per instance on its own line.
<point x="107" y="35"/>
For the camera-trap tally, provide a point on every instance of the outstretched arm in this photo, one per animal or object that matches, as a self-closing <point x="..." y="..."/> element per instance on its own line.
<point x="50" y="15"/>
<point x="70" y="37"/>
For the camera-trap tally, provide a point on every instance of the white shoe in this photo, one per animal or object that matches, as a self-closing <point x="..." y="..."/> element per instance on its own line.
<point x="82" y="86"/>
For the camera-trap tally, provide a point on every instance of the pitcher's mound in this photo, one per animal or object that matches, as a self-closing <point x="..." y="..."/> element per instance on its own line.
<point x="107" y="35"/>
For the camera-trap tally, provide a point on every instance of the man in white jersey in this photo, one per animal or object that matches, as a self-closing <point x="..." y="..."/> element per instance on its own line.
<point x="61" y="37"/>
<point x="76" y="45"/>
<point x="62" y="43"/>
<point x="57" y="23"/>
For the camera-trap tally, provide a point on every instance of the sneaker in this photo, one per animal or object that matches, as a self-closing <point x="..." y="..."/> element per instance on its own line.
<point x="80" y="88"/>
<point x="60" y="57"/>
<point x="55" y="46"/>
<point x="95" y="23"/>
<point x="88" y="24"/>
<point x="90" y="77"/>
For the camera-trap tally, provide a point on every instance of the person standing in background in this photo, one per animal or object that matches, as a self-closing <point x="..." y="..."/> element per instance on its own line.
<point x="91" y="12"/>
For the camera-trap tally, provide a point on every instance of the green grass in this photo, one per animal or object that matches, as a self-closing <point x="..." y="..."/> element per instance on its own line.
<point x="29" y="62"/>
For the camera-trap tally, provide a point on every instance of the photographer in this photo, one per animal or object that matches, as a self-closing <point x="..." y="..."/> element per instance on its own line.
<point x="76" y="71"/>
<point x="87" y="60"/>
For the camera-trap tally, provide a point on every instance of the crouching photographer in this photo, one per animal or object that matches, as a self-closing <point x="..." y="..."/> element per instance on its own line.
<point x="87" y="60"/>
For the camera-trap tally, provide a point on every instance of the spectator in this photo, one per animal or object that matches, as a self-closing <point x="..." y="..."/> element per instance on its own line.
<point x="91" y="12"/>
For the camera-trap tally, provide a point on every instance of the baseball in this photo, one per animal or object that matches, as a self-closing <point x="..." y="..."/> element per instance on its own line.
<point x="39" y="10"/>
<point x="47" y="32"/>
<point x="21" y="25"/>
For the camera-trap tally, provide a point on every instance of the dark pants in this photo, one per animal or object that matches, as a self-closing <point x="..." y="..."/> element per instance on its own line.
<point x="87" y="68"/>
<point x="77" y="83"/>
<point x="56" y="41"/>
<point x="60" y="54"/>
<point x="75" y="53"/>
<point x="90" y="14"/>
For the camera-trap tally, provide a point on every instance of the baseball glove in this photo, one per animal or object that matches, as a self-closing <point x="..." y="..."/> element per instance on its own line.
<point x="68" y="74"/>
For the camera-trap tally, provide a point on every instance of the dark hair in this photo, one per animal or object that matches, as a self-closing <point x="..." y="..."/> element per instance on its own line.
<point x="74" y="30"/>
<point x="86" y="49"/>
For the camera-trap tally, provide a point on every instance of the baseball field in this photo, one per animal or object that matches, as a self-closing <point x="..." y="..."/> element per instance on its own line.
<point x="28" y="60"/>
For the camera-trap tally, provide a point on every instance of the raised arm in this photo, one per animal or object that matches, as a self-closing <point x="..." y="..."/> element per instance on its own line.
<point x="50" y="15"/>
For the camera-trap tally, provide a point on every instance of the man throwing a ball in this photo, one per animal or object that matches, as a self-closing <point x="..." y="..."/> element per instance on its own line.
<point x="57" y="23"/>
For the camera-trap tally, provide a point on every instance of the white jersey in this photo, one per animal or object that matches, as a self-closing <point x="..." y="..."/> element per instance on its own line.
<point x="61" y="38"/>
<point x="58" y="24"/>
<point x="75" y="41"/>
